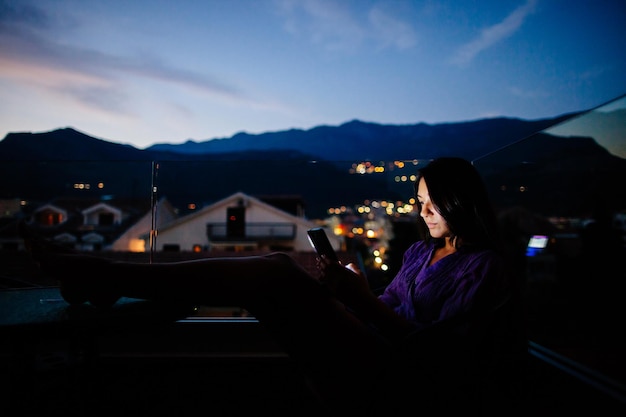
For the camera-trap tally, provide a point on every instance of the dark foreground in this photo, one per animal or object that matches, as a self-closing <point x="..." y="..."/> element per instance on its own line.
<point x="142" y="358"/>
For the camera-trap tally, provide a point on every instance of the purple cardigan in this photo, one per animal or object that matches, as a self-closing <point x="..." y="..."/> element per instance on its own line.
<point x="455" y="284"/>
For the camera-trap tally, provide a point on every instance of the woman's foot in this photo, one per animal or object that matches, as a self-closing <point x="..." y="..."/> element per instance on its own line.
<point x="82" y="278"/>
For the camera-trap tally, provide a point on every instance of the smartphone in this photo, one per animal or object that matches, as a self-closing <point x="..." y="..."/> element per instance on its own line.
<point x="319" y="241"/>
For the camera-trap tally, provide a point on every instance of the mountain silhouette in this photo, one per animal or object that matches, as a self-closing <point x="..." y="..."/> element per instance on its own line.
<point x="357" y="140"/>
<point x="314" y="164"/>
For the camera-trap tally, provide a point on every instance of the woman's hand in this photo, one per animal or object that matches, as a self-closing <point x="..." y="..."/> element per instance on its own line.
<point x="346" y="282"/>
<point x="351" y="287"/>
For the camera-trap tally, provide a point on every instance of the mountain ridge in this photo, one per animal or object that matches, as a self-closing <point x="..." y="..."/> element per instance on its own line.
<point x="354" y="140"/>
<point x="328" y="142"/>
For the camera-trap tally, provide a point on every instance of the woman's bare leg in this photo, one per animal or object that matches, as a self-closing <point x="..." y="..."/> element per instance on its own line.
<point x="339" y="352"/>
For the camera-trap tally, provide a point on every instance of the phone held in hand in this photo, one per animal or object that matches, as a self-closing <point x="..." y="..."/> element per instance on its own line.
<point x="319" y="241"/>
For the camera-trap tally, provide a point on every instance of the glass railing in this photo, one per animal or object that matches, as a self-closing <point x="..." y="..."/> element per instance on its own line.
<point x="562" y="203"/>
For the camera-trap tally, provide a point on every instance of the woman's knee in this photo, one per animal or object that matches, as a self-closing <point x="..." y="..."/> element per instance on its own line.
<point x="285" y="267"/>
<point x="283" y="261"/>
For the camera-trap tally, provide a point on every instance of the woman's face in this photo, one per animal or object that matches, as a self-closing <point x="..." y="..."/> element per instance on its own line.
<point x="436" y="224"/>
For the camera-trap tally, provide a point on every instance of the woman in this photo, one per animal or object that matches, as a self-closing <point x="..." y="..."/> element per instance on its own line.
<point x="346" y="339"/>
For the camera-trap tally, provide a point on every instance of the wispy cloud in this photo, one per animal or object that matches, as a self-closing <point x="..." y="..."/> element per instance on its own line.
<point x="592" y="73"/>
<point x="391" y="31"/>
<point x="325" y="23"/>
<point x="493" y="34"/>
<point x="28" y="49"/>
<point x="331" y="25"/>
<point x="22" y="15"/>
<point x="527" y="94"/>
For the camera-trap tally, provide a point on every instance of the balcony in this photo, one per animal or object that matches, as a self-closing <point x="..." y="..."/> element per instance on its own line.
<point x="255" y="234"/>
<point x="99" y="366"/>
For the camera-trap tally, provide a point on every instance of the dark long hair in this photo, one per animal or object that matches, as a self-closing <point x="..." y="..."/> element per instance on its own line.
<point x="458" y="193"/>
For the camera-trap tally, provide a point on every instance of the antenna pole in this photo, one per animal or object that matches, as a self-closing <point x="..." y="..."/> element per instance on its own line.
<point x="153" y="210"/>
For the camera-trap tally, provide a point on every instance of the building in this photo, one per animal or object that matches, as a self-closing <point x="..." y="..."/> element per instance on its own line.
<point x="239" y="222"/>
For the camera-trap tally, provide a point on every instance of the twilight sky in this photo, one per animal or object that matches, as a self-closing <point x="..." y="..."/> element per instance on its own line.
<point x="144" y="72"/>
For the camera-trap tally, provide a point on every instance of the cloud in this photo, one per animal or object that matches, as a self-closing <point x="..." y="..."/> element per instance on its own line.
<point x="28" y="49"/>
<point x="493" y="34"/>
<point x="593" y="73"/>
<point x="391" y="31"/>
<point x="527" y="94"/>
<point x="334" y="26"/>
<point x="25" y="14"/>
<point x="322" y="22"/>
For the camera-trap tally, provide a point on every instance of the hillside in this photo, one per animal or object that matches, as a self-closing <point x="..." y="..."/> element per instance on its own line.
<point x="313" y="164"/>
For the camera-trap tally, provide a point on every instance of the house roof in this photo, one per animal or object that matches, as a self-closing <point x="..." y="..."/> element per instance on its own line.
<point x="236" y="198"/>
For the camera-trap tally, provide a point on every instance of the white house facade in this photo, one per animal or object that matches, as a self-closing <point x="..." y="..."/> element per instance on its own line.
<point x="239" y="222"/>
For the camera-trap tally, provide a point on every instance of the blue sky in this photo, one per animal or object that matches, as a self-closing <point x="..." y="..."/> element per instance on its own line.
<point x="145" y="72"/>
